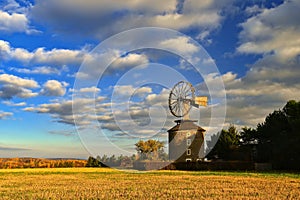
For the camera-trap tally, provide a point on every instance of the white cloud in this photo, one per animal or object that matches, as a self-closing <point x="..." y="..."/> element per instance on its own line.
<point x="83" y="110"/>
<point x="14" y="22"/>
<point x="251" y="98"/>
<point x="90" y="90"/>
<point x="179" y="44"/>
<point x="9" y="103"/>
<point x="17" y="81"/>
<point x="4" y="115"/>
<point x="129" y="61"/>
<point x="253" y="10"/>
<point x="273" y="79"/>
<point x="184" y="65"/>
<point x="14" y="17"/>
<point x="10" y="91"/>
<point x="12" y="6"/>
<point x="102" y="18"/>
<point x="58" y="56"/>
<point x="93" y="67"/>
<point x="61" y="59"/>
<point x="54" y="88"/>
<point x="63" y="111"/>
<point x="46" y="70"/>
<point x="54" y="57"/>
<point x="261" y="91"/>
<point x="275" y="30"/>
<point x="161" y="98"/>
<point x="127" y="91"/>
<point x="203" y="37"/>
<point x="16" y="86"/>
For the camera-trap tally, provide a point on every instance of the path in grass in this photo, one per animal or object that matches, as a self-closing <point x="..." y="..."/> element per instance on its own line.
<point x="91" y="183"/>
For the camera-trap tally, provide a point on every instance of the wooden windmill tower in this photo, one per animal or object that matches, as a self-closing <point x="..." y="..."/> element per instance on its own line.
<point x="185" y="138"/>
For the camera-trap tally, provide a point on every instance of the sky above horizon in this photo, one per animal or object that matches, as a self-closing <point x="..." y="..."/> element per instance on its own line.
<point x="48" y="47"/>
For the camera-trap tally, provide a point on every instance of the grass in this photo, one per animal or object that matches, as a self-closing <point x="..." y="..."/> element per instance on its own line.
<point x="92" y="183"/>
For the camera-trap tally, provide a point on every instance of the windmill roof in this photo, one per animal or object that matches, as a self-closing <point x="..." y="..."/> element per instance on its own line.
<point x="186" y="125"/>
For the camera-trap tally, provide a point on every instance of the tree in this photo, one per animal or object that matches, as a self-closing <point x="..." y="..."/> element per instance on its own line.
<point x="228" y="142"/>
<point x="276" y="140"/>
<point x="92" y="162"/>
<point x="248" y="136"/>
<point x="292" y="112"/>
<point x="248" y="143"/>
<point x="150" y="149"/>
<point x="279" y="137"/>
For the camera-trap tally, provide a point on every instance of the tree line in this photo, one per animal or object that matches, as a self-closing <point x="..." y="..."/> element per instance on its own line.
<point x="146" y="150"/>
<point x="11" y="163"/>
<point x="111" y="161"/>
<point x="275" y="141"/>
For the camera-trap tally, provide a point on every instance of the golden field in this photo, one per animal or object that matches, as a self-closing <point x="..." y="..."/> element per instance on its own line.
<point x="103" y="183"/>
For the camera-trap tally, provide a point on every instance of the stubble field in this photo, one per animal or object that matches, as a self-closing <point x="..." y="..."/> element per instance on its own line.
<point x="92" y="183"/>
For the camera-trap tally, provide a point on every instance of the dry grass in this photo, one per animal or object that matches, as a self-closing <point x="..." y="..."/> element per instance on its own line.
<point x="91" y="183"/>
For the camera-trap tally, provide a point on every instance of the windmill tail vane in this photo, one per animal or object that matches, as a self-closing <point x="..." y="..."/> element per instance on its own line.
<point x="201" y="101"/>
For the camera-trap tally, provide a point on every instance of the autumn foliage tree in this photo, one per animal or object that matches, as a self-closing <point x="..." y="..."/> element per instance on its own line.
<point x="150" y="149"/>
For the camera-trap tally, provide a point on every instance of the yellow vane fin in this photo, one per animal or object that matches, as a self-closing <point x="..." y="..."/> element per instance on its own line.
<point x="201" y="101"/>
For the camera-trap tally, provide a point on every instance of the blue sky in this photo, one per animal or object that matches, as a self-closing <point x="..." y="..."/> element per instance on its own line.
<point x="255" y="45"/>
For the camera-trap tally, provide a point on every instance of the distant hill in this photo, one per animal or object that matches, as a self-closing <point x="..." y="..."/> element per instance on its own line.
<point x="11" y="163"/>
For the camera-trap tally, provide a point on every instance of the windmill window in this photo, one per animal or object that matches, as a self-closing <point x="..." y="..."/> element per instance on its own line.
<point x="188" y="142"/>
<point x="188" y="152"/>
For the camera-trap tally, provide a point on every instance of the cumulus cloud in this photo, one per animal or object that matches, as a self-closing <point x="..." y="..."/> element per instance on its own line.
<point x="161" y="98"/>
<point x="87" y="111"/>
<point x="89" y="90"/>
<point x="140" y="118"/>
<point x="267" y="86"/>
<point x="13" y="6"/>
<point x="14" y="22"/>
<point x="14" y="17"/>
<point x="17" y="81"/>
<point x="126" y="91"/>
<point x="129" y="61"/>
<point x="93" y="65"/>
<point x="103" y="18"/>
<point x="143" y="117"/>
<point x="63" y="111"/>
<point x="114" y="61"/>
<point x="9" y="91"/>
<point x="262" y="90"/>
<point x="273" y="79"/>
<point x="54" y="57"/>
<point x="179" y="44"/>
<point x="54" y="88"/>
<point x="274" y="30"/>
<point x="15" y="86"/>
<point x="61" y="59"/>
<point x="250" y="99"/>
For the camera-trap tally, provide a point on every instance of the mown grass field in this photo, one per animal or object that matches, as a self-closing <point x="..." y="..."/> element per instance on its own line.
<point x="92" y="183"/>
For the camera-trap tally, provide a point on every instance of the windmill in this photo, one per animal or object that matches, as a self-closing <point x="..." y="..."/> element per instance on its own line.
<point x="186" y="138"/>
<point x="182" y="98"/>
